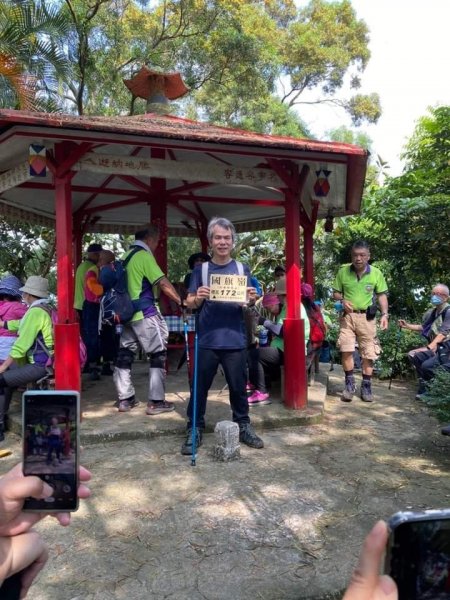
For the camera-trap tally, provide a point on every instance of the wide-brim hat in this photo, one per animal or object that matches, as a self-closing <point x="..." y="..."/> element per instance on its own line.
<point x="36" y="286"/>
<point x="198" y="256"/>
<point x="10" y="286"/>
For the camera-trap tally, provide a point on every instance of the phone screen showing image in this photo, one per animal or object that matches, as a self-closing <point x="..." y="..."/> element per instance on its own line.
<point x="50" y="447"/>
<point x="420" y="559"/>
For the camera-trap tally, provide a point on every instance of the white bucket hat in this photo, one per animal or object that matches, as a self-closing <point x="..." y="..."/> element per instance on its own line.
<point x="36" y="286"/>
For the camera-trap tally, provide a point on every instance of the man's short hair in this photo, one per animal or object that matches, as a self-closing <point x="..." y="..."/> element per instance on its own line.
<point x="278" y="270"/>
<point x="94" y="248"/>
<point x="443" y="287"/>
<point x="359" y="244"/>
<point x="151" y="231"/>
<point x="221" y="222"/>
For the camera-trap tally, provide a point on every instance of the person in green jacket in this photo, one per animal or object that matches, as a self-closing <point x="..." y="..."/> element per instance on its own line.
<point x="32" y="352"/>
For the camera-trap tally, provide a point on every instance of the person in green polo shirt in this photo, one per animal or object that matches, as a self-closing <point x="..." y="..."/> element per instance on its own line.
<point x="357" y="287"/>
<point x="89" y="263"/>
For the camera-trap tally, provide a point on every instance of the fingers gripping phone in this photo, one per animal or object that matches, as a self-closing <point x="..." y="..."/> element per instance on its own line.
<point x="50" y="430"/>
<point x="418" y="554"/>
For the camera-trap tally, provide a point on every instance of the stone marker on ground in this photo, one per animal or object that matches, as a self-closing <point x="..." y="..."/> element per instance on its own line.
<point x="227" y="445"/>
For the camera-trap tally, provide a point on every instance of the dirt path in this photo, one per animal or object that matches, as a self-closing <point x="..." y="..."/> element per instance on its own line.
<point x="284" y="523"/>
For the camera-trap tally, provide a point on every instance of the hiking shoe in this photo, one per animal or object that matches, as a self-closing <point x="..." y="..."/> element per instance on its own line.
<point x="94" y="375"/>
<point x="249" y="388"/>
<point x="127" y="405"/>
<point x="350" y="389"/>
<point x="106" y="369"/>
<point x="186" y="448"/>
<point x="157" y="408"/>
<point x="446" y="430"/>
<point x="366" y="392"/>
<point x="248" y="436"/>
<point x="259" y="398"/>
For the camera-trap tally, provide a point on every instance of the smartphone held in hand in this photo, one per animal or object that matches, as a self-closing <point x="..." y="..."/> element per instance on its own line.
<point x="418" y="554"/>
<point x="51" y="446"/>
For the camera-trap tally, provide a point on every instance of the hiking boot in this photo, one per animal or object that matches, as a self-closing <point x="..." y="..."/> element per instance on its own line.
<point x="157" y="408"/>
<point x="366" y="391"/>
<point x="186" y="448"/>
<point x="259" y="398"/>
<point x="421" y="390"/>
<point x="106" y="369"/>
<point x="94" y="374"/>
<point x="248" y="436"/>
<point x="350" y="389"/>
<point x="128" y="404"/>
<point x="446" y="430"/>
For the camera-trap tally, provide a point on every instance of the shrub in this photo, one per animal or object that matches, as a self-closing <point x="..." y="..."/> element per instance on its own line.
<point x="437" y="396"/>
<point x="395" y="345"/>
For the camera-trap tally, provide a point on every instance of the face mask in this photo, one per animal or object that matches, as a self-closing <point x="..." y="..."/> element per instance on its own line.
<point x="436" y="300"/>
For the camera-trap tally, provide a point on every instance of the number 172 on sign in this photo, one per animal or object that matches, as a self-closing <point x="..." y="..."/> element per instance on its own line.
<point x="228" y="288"/>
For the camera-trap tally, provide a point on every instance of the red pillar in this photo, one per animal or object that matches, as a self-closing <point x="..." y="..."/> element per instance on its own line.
<point x="308" y="255"/>
<point x="67" y="360"/>
<point x="159" y="212"/>
<point x="295" y="380"/>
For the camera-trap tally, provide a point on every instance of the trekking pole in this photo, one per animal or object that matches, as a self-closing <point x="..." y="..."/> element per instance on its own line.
<point x="186" y="344"/>
<point x="194" y="394"/>
<point x="394" y="360"/>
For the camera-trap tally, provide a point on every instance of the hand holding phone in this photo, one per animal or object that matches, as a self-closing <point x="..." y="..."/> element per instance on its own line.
<point x="51" y="447"/>
<point x="418" y="554"/>
<point x="366" y="582"/>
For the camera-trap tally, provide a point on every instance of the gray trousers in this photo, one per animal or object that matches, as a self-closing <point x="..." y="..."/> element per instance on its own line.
<point x="151" y="334"/>
<point x="17" y="376"/>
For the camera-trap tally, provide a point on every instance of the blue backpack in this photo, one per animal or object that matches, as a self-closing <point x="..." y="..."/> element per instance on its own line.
<point x="116" y="305"/>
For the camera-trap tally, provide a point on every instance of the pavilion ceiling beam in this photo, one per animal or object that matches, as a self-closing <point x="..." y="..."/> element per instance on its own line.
<point x="84" y="189"/>
<point x="15" y="176"/>
<point x="219" y="199"/>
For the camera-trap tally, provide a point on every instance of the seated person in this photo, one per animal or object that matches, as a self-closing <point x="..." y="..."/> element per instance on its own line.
<point x="269" y="358"/>
<point x="34" y="346"/>
<point x="436" y="330"/>
<point x="11" y="308"/>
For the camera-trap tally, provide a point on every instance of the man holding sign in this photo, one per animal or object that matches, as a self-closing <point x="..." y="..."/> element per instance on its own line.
<point x="218" y="292"/>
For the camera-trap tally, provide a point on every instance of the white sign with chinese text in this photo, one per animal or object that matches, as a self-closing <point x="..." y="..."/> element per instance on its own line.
<point x="228" y="288"/>
<point x="173" y="169"/>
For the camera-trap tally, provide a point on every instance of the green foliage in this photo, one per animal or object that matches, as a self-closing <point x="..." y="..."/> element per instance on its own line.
<point x="178" y="252"/>
<point x="31" y="59"/>
<point x="395" y="344"/>
<point x="26" y="249"/>
<point x="235" y="55"/>
<point x="437" y="396"/>
<point x="262" y="251"/>
<point x="405" y="222"/>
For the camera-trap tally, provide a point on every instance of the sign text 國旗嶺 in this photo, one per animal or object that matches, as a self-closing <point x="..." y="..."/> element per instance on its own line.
<point x="228" y="288"/>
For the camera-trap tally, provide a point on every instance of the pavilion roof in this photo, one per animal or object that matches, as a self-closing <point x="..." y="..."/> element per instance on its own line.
<point x="192" y="151"/>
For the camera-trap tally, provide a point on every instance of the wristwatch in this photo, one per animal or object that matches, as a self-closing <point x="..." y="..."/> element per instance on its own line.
<point x="385" y="314"/>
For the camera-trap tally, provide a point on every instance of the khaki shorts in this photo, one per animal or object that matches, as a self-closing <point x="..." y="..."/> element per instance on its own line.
<point x="355" y="327"/>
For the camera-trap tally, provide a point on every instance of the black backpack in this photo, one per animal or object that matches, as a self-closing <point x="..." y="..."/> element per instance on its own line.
<point x="116" y="305"/>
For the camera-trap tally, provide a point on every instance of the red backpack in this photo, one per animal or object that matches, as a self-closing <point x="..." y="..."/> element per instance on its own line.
<point x="317" y="328"/>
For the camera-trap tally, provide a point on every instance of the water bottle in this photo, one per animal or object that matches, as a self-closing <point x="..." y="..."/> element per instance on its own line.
<point x="338" y="306"/>
<point x="263" y="337"/>
<point x="119" y="328"/>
